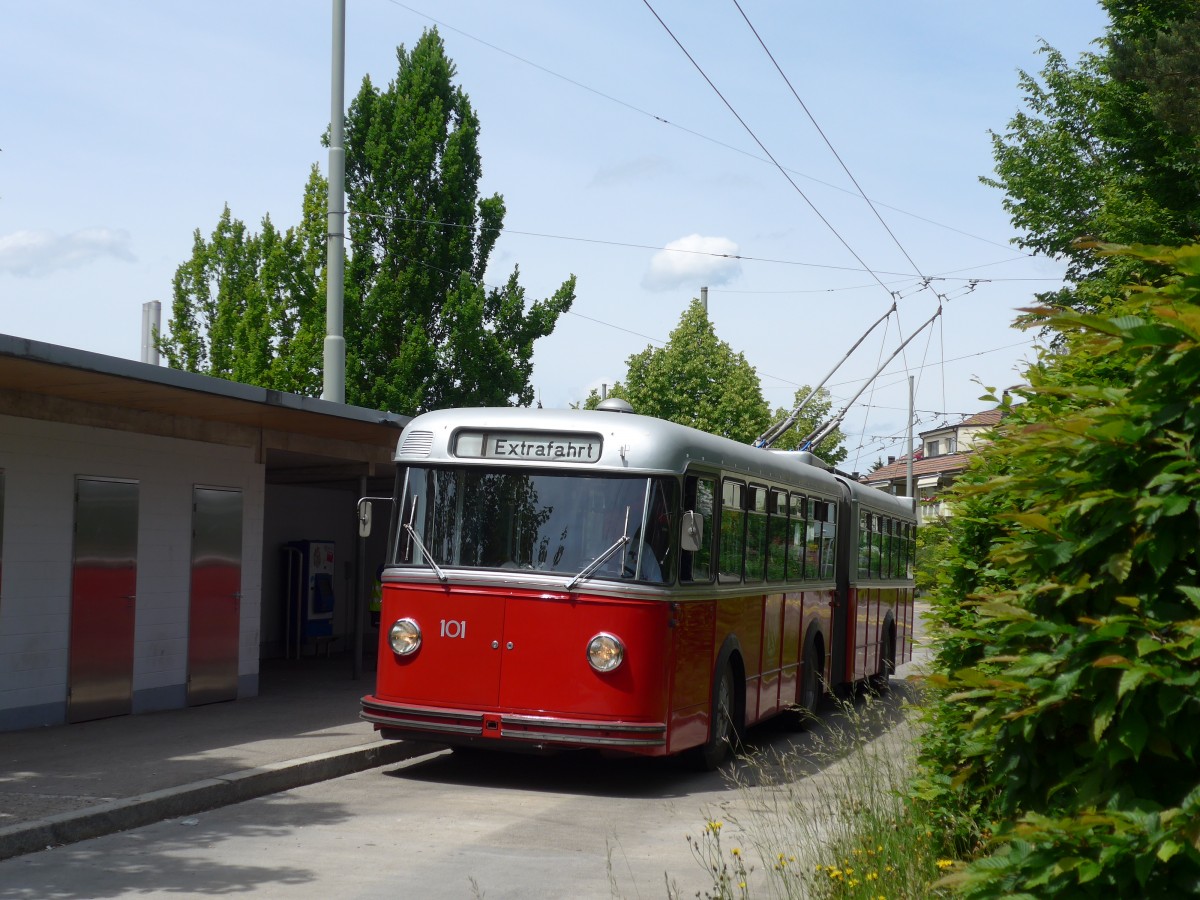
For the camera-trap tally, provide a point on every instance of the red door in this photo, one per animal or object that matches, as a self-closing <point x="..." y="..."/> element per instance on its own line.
<point x="215" y="615"/>
<point x="545" y="666"/>
<point x="103" y="587"/>
<point x="458" y="663"/>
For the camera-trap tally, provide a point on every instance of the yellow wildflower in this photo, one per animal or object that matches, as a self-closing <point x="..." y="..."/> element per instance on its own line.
<point x="945" y="863"/>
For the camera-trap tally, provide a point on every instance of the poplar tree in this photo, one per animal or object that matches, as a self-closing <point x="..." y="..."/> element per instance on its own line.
<point x="249" y="306"/>
<point x="423" y="330"/>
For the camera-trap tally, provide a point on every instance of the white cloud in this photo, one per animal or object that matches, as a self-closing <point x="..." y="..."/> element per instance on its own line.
<point x="37" y="253"/>
<point x="693" y="261"/>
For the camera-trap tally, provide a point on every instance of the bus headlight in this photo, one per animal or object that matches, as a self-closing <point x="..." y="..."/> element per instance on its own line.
<point x="605" y="652"/>
<point x="405" y="637"/>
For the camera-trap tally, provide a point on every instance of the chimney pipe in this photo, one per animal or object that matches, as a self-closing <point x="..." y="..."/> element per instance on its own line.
<point x="151" y="325"/>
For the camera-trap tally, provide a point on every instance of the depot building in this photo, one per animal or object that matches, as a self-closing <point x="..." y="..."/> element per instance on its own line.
<point x="162" y="533"/>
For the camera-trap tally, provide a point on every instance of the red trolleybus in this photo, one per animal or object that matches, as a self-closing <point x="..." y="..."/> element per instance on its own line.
<point x="571" y="578"/>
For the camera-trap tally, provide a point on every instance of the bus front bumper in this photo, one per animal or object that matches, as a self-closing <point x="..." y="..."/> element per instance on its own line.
<point x="474" y="726"/>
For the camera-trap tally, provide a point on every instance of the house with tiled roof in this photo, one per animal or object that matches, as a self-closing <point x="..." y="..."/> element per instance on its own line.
<point x="941" y="457"/>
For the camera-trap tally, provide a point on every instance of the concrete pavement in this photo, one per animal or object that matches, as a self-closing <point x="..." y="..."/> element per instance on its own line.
<point x="73" y="782"/>
<point x="69" y="783"/>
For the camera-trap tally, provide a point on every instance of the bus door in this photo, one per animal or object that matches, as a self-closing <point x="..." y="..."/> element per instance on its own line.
<point x="462" y="632"/>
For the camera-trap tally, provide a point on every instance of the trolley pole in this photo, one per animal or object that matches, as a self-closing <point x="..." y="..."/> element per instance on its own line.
<point x="334" y="383"/>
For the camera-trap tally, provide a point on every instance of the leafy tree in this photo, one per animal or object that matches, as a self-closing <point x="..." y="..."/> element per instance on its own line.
<point x="1070" y="614"/>
<point x="1107" y="151"/>
<point x="695" y="379"/>
<point x="933" y="541"/>
<point x="811" y="417"/>
<point x="251" y="307"/>
<point x="422" y="328"/>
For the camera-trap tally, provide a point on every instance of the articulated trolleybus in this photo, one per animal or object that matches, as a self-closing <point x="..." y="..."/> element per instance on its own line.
<point x="599" y="579"/>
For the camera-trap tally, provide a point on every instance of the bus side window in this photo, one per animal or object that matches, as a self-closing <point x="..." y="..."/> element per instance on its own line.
<point x="828" y="539"/>
<point x="796" y="569"/>
<point x="877" y="557"/>
<point x="733" y="531"/>
<point x="864" y="546"/>
<point x="699" y="495"/>
<point x="812" y="548"/>
<point x="777" y="536"/>
<point x="756" y="532"/>
<point x="897" y="550"/>
<point x="660" y="530"/>
<point x="885" y="557"/>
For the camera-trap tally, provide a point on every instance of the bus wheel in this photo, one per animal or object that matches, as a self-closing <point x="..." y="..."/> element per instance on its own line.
<point x="880" y="681"/>
<point x="810" y="688"/>
<point x="722" y="731"/>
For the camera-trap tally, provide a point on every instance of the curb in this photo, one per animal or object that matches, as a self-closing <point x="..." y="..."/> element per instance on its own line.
<point x="199" y="796"/>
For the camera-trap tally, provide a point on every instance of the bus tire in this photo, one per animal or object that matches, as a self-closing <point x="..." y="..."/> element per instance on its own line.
<point x="880" y="682"/>
<point x="723" y="731"/>
<point x="811" y="692"/>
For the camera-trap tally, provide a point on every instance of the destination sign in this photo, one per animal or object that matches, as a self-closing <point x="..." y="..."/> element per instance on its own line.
<point x="526" y="446"/>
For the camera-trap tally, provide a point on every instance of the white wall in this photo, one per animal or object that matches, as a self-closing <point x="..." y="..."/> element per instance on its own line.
<point x="296" y="513"/>
<point x="41" y="461"/>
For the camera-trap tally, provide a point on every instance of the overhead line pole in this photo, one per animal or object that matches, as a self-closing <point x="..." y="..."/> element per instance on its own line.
<point x="334" y="383"/>
<point x="908" y="450"/>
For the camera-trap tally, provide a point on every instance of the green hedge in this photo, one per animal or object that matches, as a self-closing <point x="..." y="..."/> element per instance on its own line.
<point x="1063" y="755"/>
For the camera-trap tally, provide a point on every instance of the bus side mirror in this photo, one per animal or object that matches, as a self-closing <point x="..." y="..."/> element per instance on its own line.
<point x="364" y="514"/>
<point x="691" y="531"/>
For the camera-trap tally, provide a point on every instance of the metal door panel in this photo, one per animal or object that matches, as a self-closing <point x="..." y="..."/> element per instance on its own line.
<point x="214" y="620"/>
<point x="458" y="663"/>
<point x="103" y="585"/>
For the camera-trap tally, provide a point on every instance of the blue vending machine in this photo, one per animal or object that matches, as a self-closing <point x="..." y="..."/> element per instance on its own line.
<point x="310" y="596"/>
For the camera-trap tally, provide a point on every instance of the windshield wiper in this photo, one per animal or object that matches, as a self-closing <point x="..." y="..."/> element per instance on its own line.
<point x="412" y="532"/>
<point x="599" y="560"/>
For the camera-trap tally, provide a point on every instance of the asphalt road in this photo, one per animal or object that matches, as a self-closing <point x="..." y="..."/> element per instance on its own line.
<point x="464" y="824"/>
<point x="446" y="825"/>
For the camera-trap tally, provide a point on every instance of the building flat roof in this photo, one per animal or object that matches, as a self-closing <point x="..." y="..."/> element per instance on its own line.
<point x="48" y="381"/>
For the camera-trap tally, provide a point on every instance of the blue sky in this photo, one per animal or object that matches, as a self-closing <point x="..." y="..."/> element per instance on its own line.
<point x="129" y="124"/>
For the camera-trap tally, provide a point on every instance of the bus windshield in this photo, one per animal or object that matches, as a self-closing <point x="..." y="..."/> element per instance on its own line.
<point x="505" y="519"/>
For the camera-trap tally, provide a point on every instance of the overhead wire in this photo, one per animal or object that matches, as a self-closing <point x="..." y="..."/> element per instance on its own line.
<point x="664" y="121"/>
<point x="925" y="284"/>
<point x="741" y="257"/>
<point x="815" y="438"/>
<point x="750" y="131"/>
<point x="562" y="237"/>
<point x="825" y="138"/>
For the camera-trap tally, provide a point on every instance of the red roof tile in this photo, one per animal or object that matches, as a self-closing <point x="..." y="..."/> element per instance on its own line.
<point x="947" y="463"/>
